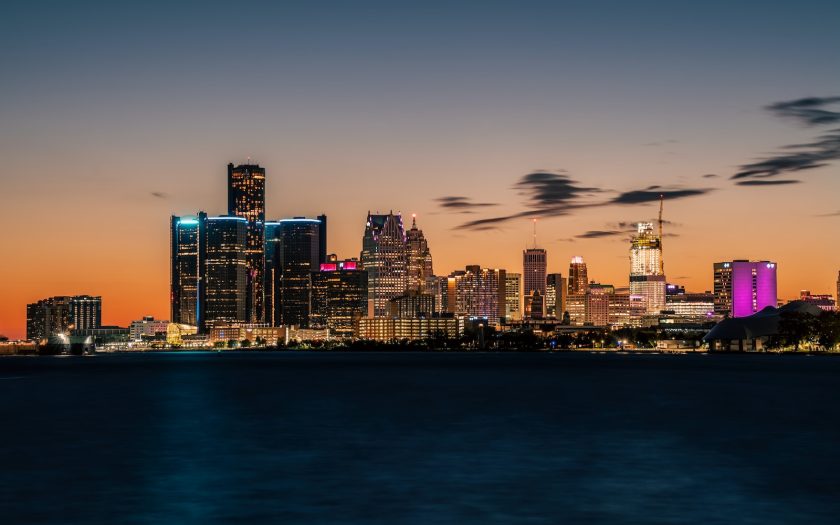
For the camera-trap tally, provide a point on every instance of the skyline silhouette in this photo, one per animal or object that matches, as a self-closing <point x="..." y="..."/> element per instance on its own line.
<point x="478" y="119"/>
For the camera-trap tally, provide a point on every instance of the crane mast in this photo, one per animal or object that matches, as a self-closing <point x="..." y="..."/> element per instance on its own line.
<point x="661" y="254"/>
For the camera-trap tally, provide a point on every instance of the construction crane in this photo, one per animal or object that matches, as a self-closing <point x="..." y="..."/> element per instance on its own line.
<point x="661" y="254"/>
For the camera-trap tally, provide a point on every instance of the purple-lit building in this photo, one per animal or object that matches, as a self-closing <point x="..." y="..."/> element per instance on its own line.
<point x="751" y="286"/>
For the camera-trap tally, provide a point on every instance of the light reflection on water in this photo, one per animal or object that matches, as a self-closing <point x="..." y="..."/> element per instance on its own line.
<point x="420" y="438"/>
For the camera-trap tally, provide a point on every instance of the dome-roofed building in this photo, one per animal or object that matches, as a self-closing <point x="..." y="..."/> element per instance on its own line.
<point x="751" y="333"/>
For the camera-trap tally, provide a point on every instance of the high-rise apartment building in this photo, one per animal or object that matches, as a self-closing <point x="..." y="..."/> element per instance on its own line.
<point x="534" y="264"/>
<point x="385" y="258"/>
<point x="419" y="258"/>
<point x="646" y="276"/>
<point x="722" y="288"/>
<point x="513" y="296"/>
<point x="339" y="296"/>
<point x="578" y="278"/>
<point x="478" y="292"/>
<point x="86" y="312"/>
<point x="61" y="314"/>
<point x="742" y="288"/>
<point x="412" y="305"/>
<point x="246" y="199"/>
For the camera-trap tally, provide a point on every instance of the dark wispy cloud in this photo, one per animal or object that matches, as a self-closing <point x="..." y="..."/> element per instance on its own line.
<point x="809" y="111"/>
<point x="158" y="194"/>
<point x="662" y="142"/>
<point x="833" y="214"/>
<point x="794" y="158"/>
<point x="653" y="193"/>
<point x="553" y="194"/>
<point x="547" y="194"/>
<point x="759" y="182"/>
<point x="462" y="203"/>
<point x="711" y="176"/>
<point x="550" y="191"/>
<point x="599" y="234"/>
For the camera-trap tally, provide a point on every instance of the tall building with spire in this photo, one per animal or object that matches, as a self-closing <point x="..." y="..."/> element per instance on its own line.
<point x="385" y="257"/>
<point x="534" y="267"/>
<point x="419" y="258"/>
<point x="647" y="278"/>
<point x="246" y="199"/>
<point x="578" y="278"/>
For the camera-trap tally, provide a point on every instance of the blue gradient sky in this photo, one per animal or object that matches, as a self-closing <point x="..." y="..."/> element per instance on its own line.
<point x="389" y="105"/>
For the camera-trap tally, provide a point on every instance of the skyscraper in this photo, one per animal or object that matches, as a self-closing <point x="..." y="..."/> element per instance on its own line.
<point x="646" y="276"/>
<point x="384" y="256"/>
<point x="479" y="292"/>
<point x="223" y="267"/>
<point x="513" y="296"/>
<point x="578" y="278"/>
<point x="339" y="296"/>
<point x="746" y="287"/>
<point x="555" y="295"/>
<point x="722" y="288"/>
<point x="86" y="312"/>
<point x="419" y="258"/>
<point x="299" y="255"/>
<point x="534" y="264"/>
<point x="271" y="275"/>
<point x="246" y="199"/>
<point x="184" y="270"/>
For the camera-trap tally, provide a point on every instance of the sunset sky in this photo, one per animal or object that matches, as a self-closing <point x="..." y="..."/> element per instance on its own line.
<point x="476" y="116"/>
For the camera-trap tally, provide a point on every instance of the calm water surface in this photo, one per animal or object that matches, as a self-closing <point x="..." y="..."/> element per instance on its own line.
<point x="420" y="439"/>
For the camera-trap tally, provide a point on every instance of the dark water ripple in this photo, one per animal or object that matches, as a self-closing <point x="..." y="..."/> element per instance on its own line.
<point x="420" y="439"/>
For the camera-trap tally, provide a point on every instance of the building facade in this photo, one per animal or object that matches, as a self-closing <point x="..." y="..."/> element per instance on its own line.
<point x="246" y="199"/>
<point x="556" y="290"/>
<point x="534" y="265"/>
<point x="339" y="297"/>
<point x="647" y="278"/>
<point x="62" y="314"/>
<point x="412" y="305"/>
<point x="384" y="256"/>
<point x="722" y="289"/>
<point x="743" y="287"/>
<point x="184" y="270"/>
<point x="478" y="292"/>
<point x="297" y="255"/>
<point x="147" y="327"/>
<point x="578" y="277"/>
<point x="390" y="329"/>
<point x="419" y="265"/>
<point x="224" y="267"/>
<point x="697" y="307"/>
<point x="513" y="296"/>
<point x="822" y="301"/>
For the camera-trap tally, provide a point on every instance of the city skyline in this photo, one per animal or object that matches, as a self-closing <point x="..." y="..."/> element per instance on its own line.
<point x="117" y="156"/>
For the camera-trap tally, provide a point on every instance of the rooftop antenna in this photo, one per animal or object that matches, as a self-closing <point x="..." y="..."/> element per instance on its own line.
<point x="535" y="233"/>
<point x="661" y="258"/>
